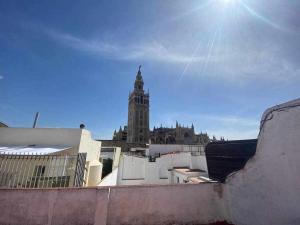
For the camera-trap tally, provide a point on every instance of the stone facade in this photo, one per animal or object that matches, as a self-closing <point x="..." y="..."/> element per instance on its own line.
<point x="178" y="135"/>
<point x="138" y="112"/>
<point x="121" y="135"/>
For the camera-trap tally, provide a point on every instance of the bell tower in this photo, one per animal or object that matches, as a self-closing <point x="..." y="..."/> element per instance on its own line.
<point x="138" y="112"/>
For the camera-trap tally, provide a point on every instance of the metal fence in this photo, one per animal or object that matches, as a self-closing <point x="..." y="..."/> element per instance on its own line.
<point x="42" y="171"/>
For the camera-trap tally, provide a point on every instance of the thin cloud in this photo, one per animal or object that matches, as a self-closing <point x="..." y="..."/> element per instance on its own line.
<point x="221" y="62"/>
<point x="153" y="51"/>
<point x="1" y="77"/>
<point x="232" y="120"/>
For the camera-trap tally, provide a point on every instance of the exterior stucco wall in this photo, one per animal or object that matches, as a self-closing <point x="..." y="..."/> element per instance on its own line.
<point x="40" y="136"/>
<point x="132" y="168"/>
<point x="87" y="144"/>
<point x="118" y="205"/>
<point x="267" y="190"/>
<point x="198" y="162"/>
<point x="176" y="204"/>
<point x="53" y="206"/>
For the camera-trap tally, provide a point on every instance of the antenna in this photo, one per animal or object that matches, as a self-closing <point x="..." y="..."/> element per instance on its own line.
<point x="36" y="119"/>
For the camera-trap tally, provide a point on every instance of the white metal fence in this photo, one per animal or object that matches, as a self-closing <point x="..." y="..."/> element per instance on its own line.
<point x="42" y="171"/>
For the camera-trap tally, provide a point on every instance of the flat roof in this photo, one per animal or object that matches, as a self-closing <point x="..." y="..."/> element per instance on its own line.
<point x="188" y="171"/>
<point x="32" y="149"/>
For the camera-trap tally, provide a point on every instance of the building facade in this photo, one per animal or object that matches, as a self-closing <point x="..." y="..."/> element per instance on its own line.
<point x="121" y="135"/>
<point x="178" y="135"/>
<point x="138" y="112"/>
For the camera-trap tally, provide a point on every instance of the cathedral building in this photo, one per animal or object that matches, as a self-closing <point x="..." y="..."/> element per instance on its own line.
<point x="178" y="135"/>
<point x="137" y="130"/>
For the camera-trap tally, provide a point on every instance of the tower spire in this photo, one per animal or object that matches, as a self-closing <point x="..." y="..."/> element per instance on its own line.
<point x="139" y="73"/>
<point x="139" y="83"/>
<point x="138" y="112"/>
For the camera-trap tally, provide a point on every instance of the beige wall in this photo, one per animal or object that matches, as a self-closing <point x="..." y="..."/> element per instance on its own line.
<point x="177" y="204"/>
<point x="93" y="148"/>
<point x="87" y="144"/>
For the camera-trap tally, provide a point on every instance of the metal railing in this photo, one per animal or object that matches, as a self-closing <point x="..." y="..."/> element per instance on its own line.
<point x="42" y="171"/>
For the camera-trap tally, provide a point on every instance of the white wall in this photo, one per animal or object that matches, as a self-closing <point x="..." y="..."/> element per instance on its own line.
<point x="40" y="136"/>
<point x="132" y="167"/>
<point x="267" y="190"/>
<point x="87" y="144"/>
<point x="116" y="157"/>
<point x="178" y="178"/>
<point x="110" y="179"/>
<point x="138" y="170"/>
<point x="167" y="148"/>
<point x="198" y="162"/>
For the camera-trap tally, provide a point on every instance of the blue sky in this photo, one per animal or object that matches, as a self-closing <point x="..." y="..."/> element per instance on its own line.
<point x="216" y="63"/>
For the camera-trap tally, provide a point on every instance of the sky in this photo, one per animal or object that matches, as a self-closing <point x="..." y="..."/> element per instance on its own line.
<point x="215" y="63"/>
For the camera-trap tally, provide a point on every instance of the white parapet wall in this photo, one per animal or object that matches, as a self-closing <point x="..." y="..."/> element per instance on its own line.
<point x="168" y="148"/>
<point x="40" y="136"/>
<point x="267" y="190"/>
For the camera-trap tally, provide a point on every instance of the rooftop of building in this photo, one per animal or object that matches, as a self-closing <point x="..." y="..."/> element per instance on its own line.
<point x="187" y="171"/>
<point x="32" y="149"/>
<point x="3" y="124"/>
